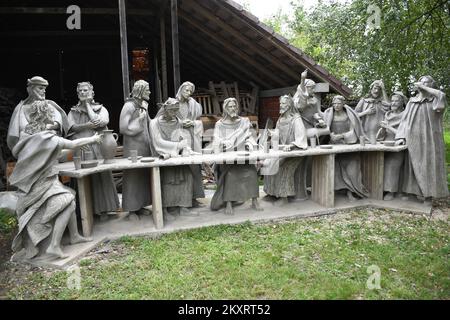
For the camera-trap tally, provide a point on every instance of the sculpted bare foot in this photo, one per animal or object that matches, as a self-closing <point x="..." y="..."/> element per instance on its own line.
<point x="185" y="212"/>
<point x="256" y="206"/>
<point x="56" y="251"/>
<point x="281" y="202"/>
<point x="350" y="196"/>
<point x="229" y="209"/>
<point x="389" y="196"/>
<point x="79" y="239"/>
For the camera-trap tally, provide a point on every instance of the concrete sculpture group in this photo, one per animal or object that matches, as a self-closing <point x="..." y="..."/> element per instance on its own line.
<point x="40" y="132"/>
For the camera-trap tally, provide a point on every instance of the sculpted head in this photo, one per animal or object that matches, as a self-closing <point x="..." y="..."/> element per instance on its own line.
<point x="85" y="91"/>
<point x="338" y="103"/>
<point x="171" y="108"/>
<point x="398" y="101"/>
<point x="310" y="86"/>
<point x="185" y="91"/>
<point x="231" y="108"/>
<point x="376" y="89"/>
<point x="141" y="90"/>
<point x="36" y="87"/>
<point x="286" y="104"/>
<point x="428" y="81"/>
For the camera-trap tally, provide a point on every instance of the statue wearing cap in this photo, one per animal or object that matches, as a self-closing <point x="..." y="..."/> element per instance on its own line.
<point x="36" y="87"/>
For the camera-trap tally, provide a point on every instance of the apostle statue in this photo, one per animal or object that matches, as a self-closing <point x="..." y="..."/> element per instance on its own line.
<point x="45" y="206"/>
<point x="170" y="139"/>
<point x="346" y="128"/>
<point x="134" y="126"/>
<point x="236" y="183"/>
<point x="393" y="161"/>
<point x="190" y="112"/>
<point x="280" y="179"/>
<point x="85" y="119"/>
<point x="371" y="110"/>
<point x="36" y="88"/>
<point x="421" y="129"/>
<point x="308" y="105"/>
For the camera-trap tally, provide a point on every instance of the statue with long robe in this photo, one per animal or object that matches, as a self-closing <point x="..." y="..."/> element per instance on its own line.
<point x="170" y="139"/>
<point x="279" y="178"/>
<point x="45" y="206"/>
<point x="134" y="126"/>
<point x="393" y="161"/>
<point x="346" y="128"/>
<point x="86" y="119"/>
<point x="371" y="110"/>
<point x="235" y="182"/>
<point x="190" y="113"/>
<point x="421" y="129"/>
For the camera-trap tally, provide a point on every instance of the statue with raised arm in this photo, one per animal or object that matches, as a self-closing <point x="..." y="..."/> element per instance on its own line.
<point x="45" y="207"/>
<point x="36" y="88"/>
<point x="421" y="129"/>
<point x="279" y="175"/>
<point x="235" y="182"/>
<point x="169" y="139"/>
<point x="190" y="113"/>
<point x="346" y="128"/>
<point x="85" y="120"/>
<point x="393" y="161"/>
<point x="371" y="110"/>
<point x="134" y="126"/>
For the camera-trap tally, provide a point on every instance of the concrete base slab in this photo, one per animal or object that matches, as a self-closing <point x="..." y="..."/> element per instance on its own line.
<point x="142" y="225"/>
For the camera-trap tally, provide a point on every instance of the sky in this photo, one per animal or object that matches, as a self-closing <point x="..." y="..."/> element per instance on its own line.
<point x="265" y="8"/>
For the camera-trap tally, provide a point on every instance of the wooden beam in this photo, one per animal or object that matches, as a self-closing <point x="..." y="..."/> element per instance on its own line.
<point x="175" y="45"/>
<point x="124" y="49"/>
<point x="218" y="53"/>
<point x="90" y="11"/>
<point x="229" y="45"/>
<point x="71" y="33"/>
<point x="201" y="11"/>
<point x="162" y="27"/>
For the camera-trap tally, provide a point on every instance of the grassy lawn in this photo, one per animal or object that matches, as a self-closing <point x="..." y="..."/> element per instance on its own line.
<point x="318" y="258"/>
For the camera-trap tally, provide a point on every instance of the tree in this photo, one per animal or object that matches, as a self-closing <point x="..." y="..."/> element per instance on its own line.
<point x="411" y="40"/>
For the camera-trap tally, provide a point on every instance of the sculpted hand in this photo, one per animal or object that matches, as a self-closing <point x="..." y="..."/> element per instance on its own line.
<point x="52" y="126"/>
<point x="383" y="124"/>
<point x="96" y="122"/>
<point x="188" y="123"/>
<point x="304" y="74"/>
<point x="400" y="142"/>
<point x="288" y="147"/>
<point x="97" y="138"/>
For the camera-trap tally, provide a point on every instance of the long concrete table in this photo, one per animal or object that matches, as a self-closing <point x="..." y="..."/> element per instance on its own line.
<point x="323" y="162"/>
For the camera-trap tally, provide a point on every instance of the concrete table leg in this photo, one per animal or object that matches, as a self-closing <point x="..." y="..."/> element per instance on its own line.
<point x="85" y="200"/>
<point x="372" y="167"/>
<point x="156" y="198"/>
<point x="322" y="177"/>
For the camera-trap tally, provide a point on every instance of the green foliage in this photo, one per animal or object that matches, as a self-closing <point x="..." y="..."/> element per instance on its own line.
<point x="320" y="258"/>
<point x="412" y="40"/>
<point x="8" y="222"/>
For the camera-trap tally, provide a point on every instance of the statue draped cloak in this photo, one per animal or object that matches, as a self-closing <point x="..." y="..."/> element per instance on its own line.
<point x="136" y="190"/>
<point x="279" y="180"/>
<point x="104" y="193"/>
<point x="177" y="183"/>
<point x="43" y="197"/>
<point x="347" y="165"/>
<point x="393" y="161"/>
<point x="421" y="127"/>
<point x="235" y="182"/>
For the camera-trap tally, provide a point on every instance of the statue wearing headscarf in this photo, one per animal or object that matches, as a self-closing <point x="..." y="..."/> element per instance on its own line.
<point x="189" y="113"/>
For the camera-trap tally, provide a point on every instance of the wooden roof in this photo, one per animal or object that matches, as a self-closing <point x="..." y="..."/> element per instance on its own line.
<point x="219" y="40"/>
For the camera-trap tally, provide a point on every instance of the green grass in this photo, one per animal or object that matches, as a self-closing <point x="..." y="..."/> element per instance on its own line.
<point x="8" y="222"/>
<point x="319" y="258"/>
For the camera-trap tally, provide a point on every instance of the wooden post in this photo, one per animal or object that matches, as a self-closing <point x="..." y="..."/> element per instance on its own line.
<point x="175" y="45"/>
<point x="157" y="210"/>
<point x="372" y="167"/>
<point x="158" y="93"/>
<point x="323" y="180"/>
<point x="85" y="200"/>
<point x="124" y="49"/>
<point x="162" y="26"/>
